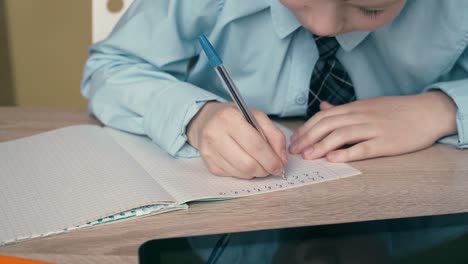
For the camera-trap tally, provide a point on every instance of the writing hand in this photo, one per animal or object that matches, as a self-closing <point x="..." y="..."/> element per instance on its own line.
<point x="230" y="146"/>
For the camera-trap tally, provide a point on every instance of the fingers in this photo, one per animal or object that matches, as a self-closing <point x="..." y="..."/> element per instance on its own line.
<point x="235" y="163"/>
<point x="375" y="127"/>
<point x="230" y="146"/>
<point x="232" y="160"/>
<point x="215" y="169"/>
<point x="364" y="150"/>
<point x="274" y="135"/>
<point x="330" y="111"/>
<point x="323" y="128"/>
<point x="242" y="163"/>
<point x="250" y="140"/>
<point x="339" y="137"/>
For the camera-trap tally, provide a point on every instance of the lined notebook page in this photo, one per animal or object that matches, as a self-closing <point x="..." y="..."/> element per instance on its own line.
<point x="188" y="179"/>
<point x="68" y="177"/>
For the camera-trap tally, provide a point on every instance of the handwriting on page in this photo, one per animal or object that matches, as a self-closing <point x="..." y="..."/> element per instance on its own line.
<point x="189" y="179"/>
<point x="301" y="179"/>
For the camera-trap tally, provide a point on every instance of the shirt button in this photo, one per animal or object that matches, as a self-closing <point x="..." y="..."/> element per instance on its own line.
<point x="301" y="99"/>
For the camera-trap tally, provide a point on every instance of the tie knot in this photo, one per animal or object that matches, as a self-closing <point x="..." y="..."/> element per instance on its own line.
<point x="327" y="46"/>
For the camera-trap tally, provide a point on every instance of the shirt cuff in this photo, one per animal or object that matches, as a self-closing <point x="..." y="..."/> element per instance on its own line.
<point x="458" y="91"/>
<point x="169" y="113"/>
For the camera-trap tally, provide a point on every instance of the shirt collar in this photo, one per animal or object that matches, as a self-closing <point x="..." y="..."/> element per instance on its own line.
<point x="286" y="23"/>
<point x="350" y="40"/>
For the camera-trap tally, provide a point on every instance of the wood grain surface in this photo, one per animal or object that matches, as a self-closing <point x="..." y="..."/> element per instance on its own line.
<point x="429" y="182"/>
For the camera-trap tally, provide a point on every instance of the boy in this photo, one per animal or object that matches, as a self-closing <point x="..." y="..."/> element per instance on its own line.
<point x="405" y="61"/>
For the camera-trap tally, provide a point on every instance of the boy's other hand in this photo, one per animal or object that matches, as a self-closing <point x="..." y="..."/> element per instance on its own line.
<point x="230" y="146"/>
<point x="382" y="126"/>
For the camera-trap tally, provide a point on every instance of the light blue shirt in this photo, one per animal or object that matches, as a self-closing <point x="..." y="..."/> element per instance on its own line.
<point x="138" y="79"/>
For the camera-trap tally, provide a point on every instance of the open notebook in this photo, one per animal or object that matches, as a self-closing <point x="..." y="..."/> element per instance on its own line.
<point x="87" y="175"/>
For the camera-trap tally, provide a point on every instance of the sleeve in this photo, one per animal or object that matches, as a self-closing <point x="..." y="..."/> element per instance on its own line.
<point x="134" y="79"/>
<point x="457" y="89"/>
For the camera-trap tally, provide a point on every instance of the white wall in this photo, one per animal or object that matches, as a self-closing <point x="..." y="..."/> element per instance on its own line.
<point x="103" y="20"/>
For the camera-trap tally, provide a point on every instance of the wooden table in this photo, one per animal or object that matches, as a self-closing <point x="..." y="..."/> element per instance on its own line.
<point x="430" y="182"/>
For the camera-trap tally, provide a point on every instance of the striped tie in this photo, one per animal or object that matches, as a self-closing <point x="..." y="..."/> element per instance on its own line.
<point x="330" y="82"/>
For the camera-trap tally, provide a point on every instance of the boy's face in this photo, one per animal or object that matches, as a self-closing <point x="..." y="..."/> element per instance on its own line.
<point x="334" y="17"/>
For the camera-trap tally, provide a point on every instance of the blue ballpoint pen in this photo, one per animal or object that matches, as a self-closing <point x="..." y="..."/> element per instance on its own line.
<point x="229" y="84"/>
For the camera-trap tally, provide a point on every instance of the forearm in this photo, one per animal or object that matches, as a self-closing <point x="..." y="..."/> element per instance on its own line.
<point x="142" y="102"/>
<point x="134" y="79"/>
